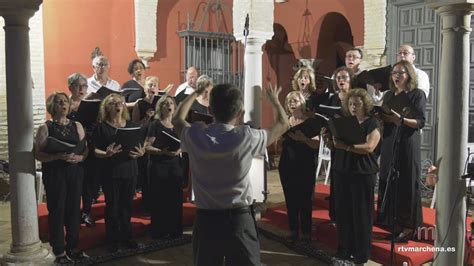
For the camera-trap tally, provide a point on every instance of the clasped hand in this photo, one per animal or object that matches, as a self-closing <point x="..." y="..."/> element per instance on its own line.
<point x="392" y="118"/>
<point x="339" y="144"/>
<point x="169" y="153"/>
<point x="139" y="151"/>
<point x="71" y="158"/>
<point x="113" y="149"/>
<point x="298" y="136"/>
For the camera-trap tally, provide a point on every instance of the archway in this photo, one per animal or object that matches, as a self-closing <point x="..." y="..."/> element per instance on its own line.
<point x="335" y="37"/>
<point x="281" y="58"/>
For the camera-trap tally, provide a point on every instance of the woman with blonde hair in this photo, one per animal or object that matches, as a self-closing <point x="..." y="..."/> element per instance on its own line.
<point x="304" y="81"/>
<point x="119" y="171"/>
<point x="166" y="173"/>
<point x="62" y="178"/>
<point x="297" y="167"/>
<point x="144" y="111"/>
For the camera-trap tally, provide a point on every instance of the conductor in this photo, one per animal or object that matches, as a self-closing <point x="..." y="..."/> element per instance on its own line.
<point x="220" y="156"/>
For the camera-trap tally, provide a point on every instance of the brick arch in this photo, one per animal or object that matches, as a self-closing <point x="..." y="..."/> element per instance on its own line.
<point x="335" y="36"/>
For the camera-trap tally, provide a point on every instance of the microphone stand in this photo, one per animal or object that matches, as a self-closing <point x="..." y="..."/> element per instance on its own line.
<point x="392" y="185"/>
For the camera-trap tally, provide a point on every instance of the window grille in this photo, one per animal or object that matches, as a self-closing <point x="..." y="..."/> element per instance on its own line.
<point x="216" y="54"/>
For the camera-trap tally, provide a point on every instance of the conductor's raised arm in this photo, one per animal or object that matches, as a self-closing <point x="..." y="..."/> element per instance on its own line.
<point x="280" y="126"/>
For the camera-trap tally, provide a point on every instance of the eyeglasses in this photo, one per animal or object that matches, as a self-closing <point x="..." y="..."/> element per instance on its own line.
<point x="79" y="86"/>
<point x="398" y="73"/>
<point x="342" y="77"/>
<point x="404" y="53"/>
<point x="102" y="65"/>
<point x="352" y="56"/>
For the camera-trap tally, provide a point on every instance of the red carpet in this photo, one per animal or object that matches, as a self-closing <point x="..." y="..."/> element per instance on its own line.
<point x="414" y="252"/>
<point x="91" y="237"/>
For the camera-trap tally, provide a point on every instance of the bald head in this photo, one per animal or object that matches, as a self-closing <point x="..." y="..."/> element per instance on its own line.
<point x="406" y="52"/>
<point x="191" y="76"/>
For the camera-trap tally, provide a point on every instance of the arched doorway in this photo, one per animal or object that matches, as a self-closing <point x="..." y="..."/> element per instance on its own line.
<point x="335" y="37"/>
<point x="281" y="59"/>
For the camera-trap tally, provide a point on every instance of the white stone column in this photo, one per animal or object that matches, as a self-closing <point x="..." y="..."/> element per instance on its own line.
<point x="253" y="81"/>
<point x="145" y="29"/>
<point x="260" y="30"/>
<point x="452" y="129"/>
<point x="26" y="246"/>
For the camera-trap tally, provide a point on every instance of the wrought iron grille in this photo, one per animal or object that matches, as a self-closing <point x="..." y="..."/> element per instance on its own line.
<point x="216" y="54"/>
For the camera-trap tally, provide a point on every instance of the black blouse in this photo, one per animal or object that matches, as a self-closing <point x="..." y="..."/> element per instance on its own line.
<point x="67" y="133"/>
<point x="133" y="95"/>
<point x="119" y="165"/>
<point x="418" y="98"/>
<point x="199" y="108"/>
<point x="161" y="141"/>
<point x="349" y="162"/>
<point x="312" y="104"/>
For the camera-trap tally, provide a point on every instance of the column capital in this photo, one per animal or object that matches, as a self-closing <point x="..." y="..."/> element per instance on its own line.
<point x="459" y="7"/>
<point x="456" y="15"/>
<point x="247" y="14"/>
<point x="145" y="29"/>
<point x="18" y="12"/>
<point x="262" y="35"/>
<point x="254" y="45"/>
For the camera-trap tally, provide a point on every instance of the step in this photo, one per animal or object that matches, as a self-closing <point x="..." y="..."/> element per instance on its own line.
<point x="91" y="237"/>
<point x="326" y="234"/>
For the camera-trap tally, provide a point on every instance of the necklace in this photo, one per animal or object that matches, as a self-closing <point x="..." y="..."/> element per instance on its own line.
<point x="62" y="128"/>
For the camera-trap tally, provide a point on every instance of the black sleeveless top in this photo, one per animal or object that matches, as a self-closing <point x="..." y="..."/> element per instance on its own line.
<point x="67" y="133"/>
<point x="161" y="141"/>
<point x="119" y="165"/>
<point x="199" y="108"/>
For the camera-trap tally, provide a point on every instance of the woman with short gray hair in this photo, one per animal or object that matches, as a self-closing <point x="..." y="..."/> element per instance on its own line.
<point x="201" y="104"/>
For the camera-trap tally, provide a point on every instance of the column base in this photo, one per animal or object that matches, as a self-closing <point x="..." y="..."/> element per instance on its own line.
<point x="34" y="254"/>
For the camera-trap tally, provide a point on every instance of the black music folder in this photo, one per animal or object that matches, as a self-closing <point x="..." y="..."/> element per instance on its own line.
<point x="347" y="129"/>
<point x="180" y="97"/>
<point x="402" y="105"/>
<point x="194" y="116"/>
<point x="152" y="105"/>
<point x="329" y="110"/>
<point x="377" y="75"/>
<point x="170" y="142"/>
<point x="311" y="127"/>
<point x="324" y="82"/>
<point x="131" y="94"/>
<point x="104" y="92"/>
<point x="382" y="109"/>
<point x="88" y="111"/>
<point x="54" y="145"/>
<point x="129" y="138"/>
